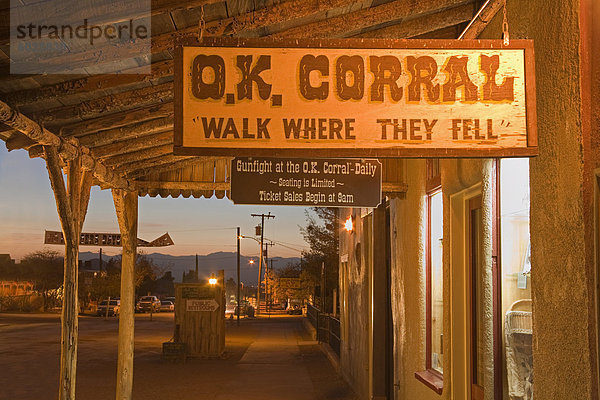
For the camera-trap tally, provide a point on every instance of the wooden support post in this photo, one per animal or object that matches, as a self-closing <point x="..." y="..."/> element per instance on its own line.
<point x="126" y="206"/>
<point x="71" y="203"/>
<point x="380" y="307"/>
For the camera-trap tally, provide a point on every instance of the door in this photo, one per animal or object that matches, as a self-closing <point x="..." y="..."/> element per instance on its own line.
<point x="476" y="334"/>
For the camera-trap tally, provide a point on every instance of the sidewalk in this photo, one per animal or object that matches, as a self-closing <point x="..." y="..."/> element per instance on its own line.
<point x="283" y="363"/>
<point x="266" y="359"/>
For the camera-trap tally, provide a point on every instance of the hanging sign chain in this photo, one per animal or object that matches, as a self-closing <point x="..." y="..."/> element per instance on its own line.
<point x="201" y="24"/>
<point x="505" y="35"/>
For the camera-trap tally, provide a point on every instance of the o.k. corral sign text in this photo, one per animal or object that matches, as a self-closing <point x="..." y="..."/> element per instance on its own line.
<point x="355" y="98"/>
<point x="313" y="182"/>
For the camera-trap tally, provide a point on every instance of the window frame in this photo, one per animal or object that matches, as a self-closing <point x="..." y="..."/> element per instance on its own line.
<point x="432" y="378"/>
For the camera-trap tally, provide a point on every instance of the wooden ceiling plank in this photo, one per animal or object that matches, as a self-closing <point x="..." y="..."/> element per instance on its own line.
<point x="135" y="144"/>
<point x="417" y="26"/>
<point x="181" y="163"/>
<point x="90" y="84"/>
<point x="140" y="155"/>
<point x="117" y="120"/>
<point x="116" y="136"/>
<point x="108" y="12"/>
<point x="354" y="23"/>
<point x="120" y="102"/>
<point x="286" y="14"/>
<point x="261" y="22"/>
<point x="143" y="167"/>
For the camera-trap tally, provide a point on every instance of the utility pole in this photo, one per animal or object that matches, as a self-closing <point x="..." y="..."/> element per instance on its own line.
<point x="197" y="280"/>
<point x="262" y="237"/>
<point x="271" y="290"/>
<point x="267" y="299"/>
<point x="238" y="274"/>
<point x="323" y="280"/>
<point x="100" y="260"/>
<point x="266" y="281"/>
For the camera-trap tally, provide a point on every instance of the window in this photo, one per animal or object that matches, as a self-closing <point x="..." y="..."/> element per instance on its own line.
<point x="435" y="280"/>
<point x="515" y="279"/>
<point x="434" y="307"/>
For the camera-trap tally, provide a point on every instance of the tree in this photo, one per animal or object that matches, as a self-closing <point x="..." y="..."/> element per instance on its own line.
<point x="44" y="269"/>
<point x="107" y="283"/>
<point x="322" y="234"/>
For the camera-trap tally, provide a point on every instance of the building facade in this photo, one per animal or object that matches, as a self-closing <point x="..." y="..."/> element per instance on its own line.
<point x="481" y="282"/>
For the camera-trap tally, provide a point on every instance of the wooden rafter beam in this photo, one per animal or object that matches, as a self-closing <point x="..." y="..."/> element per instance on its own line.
<point x="279" y="16"/>
<point x="474" y="29"/>
<point x="96" y="83"/>
<point x="144" y="97"/>
<point x="133" y="168"/>
<point x="353" y="23"/>
<point x="117" y="120"/>
<point x="282" y="16"/>
<point x="140" y="156"/>
<point x="66" y="149"/>
<point x="126" y="148"/>
<point x="109" y="12"/>
<point x="135" y="144"/>
<point x="115" y="137"/>
<point x="408" y="28"/>
<point x="183" y="162"/>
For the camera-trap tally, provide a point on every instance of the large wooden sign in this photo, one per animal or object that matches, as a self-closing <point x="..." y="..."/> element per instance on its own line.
<point x="306" y="182"/>
<point x="200" y="317"/>
<point x="357" y="98"/>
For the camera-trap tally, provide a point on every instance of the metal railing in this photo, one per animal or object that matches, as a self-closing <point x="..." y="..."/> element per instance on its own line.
<point x="327" y="327"/>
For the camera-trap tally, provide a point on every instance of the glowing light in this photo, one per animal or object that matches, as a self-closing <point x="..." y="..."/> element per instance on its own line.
<point x="251" y="261"/>
<point x="212" y="280"/>
<point x="349" y="225"/>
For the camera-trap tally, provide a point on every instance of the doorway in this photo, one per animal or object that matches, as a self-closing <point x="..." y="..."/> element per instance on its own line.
<point x="475" y="272"/>
<point x="383" y="375"/>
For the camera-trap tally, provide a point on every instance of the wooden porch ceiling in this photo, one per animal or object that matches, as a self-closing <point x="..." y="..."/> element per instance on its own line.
<point x="124" y="121"/>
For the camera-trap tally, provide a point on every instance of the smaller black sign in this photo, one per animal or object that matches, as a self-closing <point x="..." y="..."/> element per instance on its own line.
<point x="196" y="292"/>
<point x="338" y="182"/>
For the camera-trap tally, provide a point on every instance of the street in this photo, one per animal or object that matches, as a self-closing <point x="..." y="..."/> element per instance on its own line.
<point x="265" y="359"/>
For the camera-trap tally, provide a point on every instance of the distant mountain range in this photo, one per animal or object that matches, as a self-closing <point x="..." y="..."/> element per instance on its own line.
<point x="207" y="264"/>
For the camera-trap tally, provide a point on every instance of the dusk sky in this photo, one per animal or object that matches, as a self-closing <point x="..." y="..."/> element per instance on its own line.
<point x="27" y="208"/>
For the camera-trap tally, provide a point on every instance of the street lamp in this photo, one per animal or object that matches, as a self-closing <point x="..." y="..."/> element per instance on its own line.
<point x="349" y="224"/>
<point x="212" y="280"/>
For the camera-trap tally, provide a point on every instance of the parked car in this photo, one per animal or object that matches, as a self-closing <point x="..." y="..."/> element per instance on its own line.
<point x="294" y="309"/>
<point x="148" y="304"/>
<point x="245" y="308"/>
<point x="113" y="308"/>
<point x="167" y="305"/>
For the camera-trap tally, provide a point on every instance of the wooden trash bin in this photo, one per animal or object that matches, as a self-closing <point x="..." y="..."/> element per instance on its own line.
<point x="200" y="317"/>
